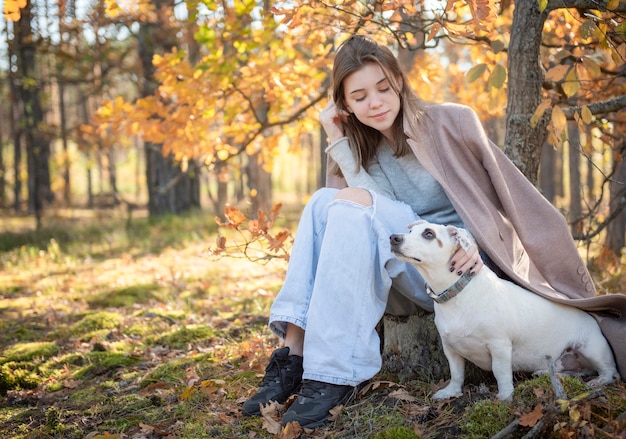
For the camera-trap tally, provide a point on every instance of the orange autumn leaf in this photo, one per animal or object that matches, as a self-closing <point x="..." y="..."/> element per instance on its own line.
<point x="530" y="419"/>
<point x="277" y="241"/>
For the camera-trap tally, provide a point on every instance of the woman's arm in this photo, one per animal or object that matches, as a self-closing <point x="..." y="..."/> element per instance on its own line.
<point x="355" y="175"/>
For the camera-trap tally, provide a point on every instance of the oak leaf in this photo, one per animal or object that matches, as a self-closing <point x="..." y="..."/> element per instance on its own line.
<point x="531" y="419"/>
<point x="292" y="430"/>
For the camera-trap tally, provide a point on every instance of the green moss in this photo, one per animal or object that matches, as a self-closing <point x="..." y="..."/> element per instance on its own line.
<point x="131" y="410"/>
<point x="111" y="360"/>
<point x="88" y="396"/>
<point x="194" y="430"/>
<point x="396" y="433"/>
<point x="23" y="365"/>
<point x="29" y="351"/>
<point x="91" y="325"/>
<point x="171" y="372"/>
<point x="573" y="386"/>
<point x="526" y="391"/>
<point x="17" y="422"/>
<point x="180" y="338"/>
<point x="96" y="321"/>
<point x="53" y="421"/>
<point x="485" y="418"/>
<point x="125" y="297"/>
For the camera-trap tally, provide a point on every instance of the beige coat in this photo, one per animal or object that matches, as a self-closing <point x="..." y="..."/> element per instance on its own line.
<point x="525" y="235"/>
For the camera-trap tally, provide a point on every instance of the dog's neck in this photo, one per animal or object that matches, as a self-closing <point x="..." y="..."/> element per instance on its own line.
<point x="451" y="291"/>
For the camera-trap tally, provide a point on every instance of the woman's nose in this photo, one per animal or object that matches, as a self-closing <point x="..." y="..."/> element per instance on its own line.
<point x="375" y="102"/>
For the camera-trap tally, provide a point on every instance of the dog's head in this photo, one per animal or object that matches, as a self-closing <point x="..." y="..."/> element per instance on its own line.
<point x="429" y="244"/>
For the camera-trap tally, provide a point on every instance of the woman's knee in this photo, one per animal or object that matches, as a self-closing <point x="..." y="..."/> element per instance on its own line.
<point x="356" y="195"/>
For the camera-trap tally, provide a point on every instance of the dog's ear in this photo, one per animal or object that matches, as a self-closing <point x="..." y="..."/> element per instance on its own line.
<point x="461" y="236"/>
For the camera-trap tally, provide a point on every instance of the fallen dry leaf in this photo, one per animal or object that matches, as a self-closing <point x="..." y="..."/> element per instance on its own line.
<point x="271" y="425"/>
<point x="292" y="430"/>
<point x="530" y="419"/>
<point x="334" y="412"/>
<point x="402" y="395"/>
<point x="71" y="384"/>
<point x="270" y="413"/>
<point x="377" y="385"/>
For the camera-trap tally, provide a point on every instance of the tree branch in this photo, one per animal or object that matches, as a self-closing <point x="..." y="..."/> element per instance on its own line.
<point x="583" y="4"/>
<point x="602" y="107"/>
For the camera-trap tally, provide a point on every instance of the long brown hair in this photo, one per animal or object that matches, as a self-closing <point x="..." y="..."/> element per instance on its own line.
<point x="353" y="54"/>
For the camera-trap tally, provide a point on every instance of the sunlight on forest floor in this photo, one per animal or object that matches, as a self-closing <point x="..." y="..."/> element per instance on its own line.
<point x="112" y="329"/>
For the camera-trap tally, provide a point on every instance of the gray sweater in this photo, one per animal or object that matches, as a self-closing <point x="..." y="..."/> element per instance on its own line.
<point x="403" y="179"/>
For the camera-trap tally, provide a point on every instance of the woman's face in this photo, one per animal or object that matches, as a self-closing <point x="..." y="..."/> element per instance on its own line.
<point x="369" y="95"/>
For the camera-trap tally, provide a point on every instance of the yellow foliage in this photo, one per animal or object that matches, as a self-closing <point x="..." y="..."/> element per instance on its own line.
<point x="265" y="75"/>
<point x="12" y="9"/>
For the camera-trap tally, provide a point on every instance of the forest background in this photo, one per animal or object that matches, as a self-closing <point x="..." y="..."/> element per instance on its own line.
<point x="160" y="109"/>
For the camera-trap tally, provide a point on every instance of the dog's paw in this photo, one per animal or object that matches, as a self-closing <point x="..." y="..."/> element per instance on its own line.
<point x="505" y="396"/>
<point x="446" y="393"/>
<point x="601" y="381"/>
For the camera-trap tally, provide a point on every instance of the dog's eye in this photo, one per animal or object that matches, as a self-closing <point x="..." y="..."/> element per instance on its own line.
<point x="428" y="234"/>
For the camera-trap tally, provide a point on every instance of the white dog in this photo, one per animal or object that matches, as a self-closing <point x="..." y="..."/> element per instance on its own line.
<point x="494" y="323"/>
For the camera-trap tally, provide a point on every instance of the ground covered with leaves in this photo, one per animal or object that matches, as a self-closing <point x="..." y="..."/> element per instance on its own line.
<point x="116" y="329"/>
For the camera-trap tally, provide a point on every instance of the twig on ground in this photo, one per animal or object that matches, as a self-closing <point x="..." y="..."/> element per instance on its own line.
<point x="506" y="431"/>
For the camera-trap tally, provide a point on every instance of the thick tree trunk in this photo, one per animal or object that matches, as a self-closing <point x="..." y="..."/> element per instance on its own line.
<point x="523" y="144"/>
<point x="412" y="350"/>
<point x="170" y="190"/>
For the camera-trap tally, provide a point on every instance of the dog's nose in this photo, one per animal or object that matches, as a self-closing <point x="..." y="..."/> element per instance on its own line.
<point x="395" y="240"/>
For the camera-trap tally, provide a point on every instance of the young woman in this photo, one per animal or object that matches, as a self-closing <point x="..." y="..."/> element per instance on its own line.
<point x="393" y="159"/>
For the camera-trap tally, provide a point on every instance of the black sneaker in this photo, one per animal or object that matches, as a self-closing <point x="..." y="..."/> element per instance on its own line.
<point x="283" y="376"/>
<point x="315" y="399"/>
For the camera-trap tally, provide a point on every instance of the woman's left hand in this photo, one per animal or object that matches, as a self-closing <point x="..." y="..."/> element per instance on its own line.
<point x="462" y="260"/>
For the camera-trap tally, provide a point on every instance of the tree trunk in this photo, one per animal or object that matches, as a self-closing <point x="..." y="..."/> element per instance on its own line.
<point x="575" y="199"/>
<point x="412" y="349"/>
<point x="37" y="146"/>
<point x="616" y="231"/>
<point x="67" y="188"/>
<point x="170" y="190"/>
<point x="259" y="184"/>
<point x="523" y="144"/>
<point x="14" y="111"/>
<point x="112" y="171"/>
<point x="3" y="173"/>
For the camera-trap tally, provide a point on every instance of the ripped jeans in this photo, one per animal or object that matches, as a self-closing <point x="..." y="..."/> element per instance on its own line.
<point x="340" y="280"/>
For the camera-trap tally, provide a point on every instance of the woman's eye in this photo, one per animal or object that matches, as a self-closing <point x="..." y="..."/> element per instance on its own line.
<point x="361" y="99"/>
<point x="428" y="234"/>
<point x="384" y="90"/>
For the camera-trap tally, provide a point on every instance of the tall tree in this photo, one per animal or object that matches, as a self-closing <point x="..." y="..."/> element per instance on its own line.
<point x="32" y="115"/>
<point x="170" y="188"/>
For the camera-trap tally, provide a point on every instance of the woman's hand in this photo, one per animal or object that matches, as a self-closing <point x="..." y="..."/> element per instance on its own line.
<point x="332" y="120"/>
<point x="462" y="260"/>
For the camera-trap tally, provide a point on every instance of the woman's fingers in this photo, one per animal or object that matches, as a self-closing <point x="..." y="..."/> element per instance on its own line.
<point x="463" y="261"/>
<point x="332" y="121"/>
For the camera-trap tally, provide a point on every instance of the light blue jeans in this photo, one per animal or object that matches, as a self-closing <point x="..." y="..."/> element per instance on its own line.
<point x="340" y="280"/>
